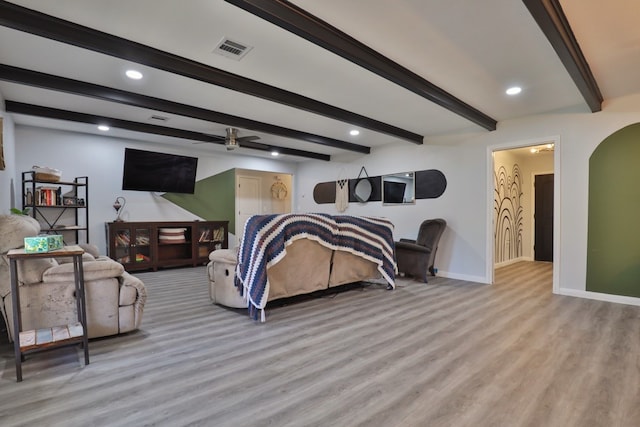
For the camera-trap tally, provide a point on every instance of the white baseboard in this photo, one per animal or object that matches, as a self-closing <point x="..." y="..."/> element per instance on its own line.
<point x="512" y="261"/>
<point x="465" y="277"/>
<point x="620" y="299"/>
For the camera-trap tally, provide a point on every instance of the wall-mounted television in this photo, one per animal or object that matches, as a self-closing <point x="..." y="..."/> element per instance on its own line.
<point x="393" y="192"/>
<point x="161" y="172"/>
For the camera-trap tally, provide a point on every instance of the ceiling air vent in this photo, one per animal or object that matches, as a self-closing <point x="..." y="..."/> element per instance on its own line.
<point x="156" y="118"/>
<point x="231" y="49"/>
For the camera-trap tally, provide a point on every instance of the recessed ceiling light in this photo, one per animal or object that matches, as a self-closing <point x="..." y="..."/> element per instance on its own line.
<point x="275" y="153"/>
<point x="354" y="132"/>
<point x="514" y="90"/>
<point x="134" y="74"/>
<point x="103" y="128"/>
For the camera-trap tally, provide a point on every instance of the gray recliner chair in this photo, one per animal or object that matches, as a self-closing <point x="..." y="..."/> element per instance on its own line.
<point x="416" y="257"/>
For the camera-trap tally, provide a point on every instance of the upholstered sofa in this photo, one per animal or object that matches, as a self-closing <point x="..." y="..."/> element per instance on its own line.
<point x="115" y="299"/>
<point x="307" y="267"/>
<point x="291" y="254"/>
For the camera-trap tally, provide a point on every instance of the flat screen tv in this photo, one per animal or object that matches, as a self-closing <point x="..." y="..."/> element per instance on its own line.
<point x="151" y="171"/>
<point x="393" y="192"/>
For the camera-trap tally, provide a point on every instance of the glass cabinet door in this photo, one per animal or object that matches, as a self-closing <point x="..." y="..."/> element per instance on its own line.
<point x="132" y="246"/>
<point x="141" y="249"/>
<point x="122" y="246"/>
<point x="210" y="238"/>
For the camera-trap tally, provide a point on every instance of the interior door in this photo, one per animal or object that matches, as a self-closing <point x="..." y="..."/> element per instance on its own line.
<point x="543" y="245"/>
<point x="248" y="201"/>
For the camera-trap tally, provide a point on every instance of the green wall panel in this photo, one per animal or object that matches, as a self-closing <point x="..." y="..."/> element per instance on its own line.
<point x="213" y="199"/>
<point x="613" y="246"/>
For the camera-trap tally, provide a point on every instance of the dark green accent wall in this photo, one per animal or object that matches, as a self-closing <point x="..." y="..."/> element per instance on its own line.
<point x="214" y="199"/>
<point x="613" y="243"/>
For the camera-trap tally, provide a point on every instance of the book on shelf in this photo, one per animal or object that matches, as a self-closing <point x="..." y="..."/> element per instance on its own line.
<point x="48" y="196"/>
<point x="122" y="239"/>
<point x="142" y="258"/>
<point x="218" y="234"/>
<point x="142" y="240"/>
<point x="205" y="236"/>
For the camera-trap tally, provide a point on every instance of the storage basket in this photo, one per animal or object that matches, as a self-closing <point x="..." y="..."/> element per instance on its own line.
<point x="46" y="174"/>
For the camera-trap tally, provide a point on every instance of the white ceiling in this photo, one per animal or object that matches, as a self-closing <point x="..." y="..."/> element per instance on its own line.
<point x="472" y="49"/>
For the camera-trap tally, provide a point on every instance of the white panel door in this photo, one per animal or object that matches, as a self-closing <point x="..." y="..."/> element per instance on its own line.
<point x="248" y="201"/>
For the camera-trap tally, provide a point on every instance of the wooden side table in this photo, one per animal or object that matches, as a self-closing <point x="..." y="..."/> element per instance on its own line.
<point x="25" y="342"/>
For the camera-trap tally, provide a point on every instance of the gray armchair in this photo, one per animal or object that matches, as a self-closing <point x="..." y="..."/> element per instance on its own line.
<point x="416" y="257"/>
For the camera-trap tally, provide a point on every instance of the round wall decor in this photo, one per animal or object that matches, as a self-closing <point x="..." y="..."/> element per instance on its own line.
<point x="279" y="190"/>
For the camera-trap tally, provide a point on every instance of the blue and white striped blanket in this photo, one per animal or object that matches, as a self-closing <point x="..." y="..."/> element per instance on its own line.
<point x="266" y="238"/>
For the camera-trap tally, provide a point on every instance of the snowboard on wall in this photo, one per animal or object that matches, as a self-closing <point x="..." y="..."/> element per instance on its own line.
<point x="430" y="184"/>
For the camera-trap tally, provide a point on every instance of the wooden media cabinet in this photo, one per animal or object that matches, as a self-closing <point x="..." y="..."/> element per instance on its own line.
<point x="153" y="245"/>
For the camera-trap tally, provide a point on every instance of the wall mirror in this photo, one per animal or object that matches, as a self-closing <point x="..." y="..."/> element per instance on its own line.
<point x="362" y="190"/>
<point x="399" y="189"/>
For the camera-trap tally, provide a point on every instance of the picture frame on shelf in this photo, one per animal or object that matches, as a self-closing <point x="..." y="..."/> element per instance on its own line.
<point x="69" y="200"/>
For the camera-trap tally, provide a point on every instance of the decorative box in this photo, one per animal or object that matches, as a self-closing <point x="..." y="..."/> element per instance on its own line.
<point x="43" y="243"/>
<point x="55" y="241"/>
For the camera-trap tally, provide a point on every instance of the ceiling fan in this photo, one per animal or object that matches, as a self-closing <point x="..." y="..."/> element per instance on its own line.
<point x="232" y="139"/>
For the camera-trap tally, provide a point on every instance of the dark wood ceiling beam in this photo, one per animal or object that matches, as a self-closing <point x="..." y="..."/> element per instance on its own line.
<point x="555" y="26"/>
<point x="76" y="87"/>
<point x="58" y="114"/>
<point x="33" y="22"/>
<point x="298" y="21"/>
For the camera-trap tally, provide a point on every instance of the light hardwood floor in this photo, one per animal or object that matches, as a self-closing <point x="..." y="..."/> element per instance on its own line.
<point x="447" y="353"/>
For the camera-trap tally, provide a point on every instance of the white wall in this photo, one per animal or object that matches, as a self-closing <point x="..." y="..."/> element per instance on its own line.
<point x="461" y="251"/>
<point x="464" y="160"/>
<point x="101" y="159"/>
<point x="578" y="135"/>
<point x="466" y="203"/>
